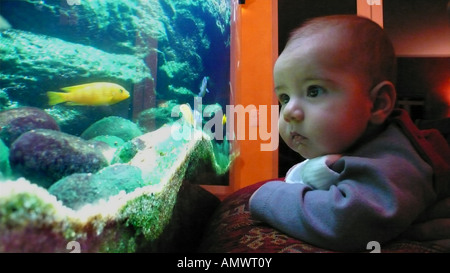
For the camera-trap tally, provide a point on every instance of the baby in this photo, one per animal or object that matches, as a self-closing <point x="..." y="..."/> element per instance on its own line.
<point x="366" y="177"/>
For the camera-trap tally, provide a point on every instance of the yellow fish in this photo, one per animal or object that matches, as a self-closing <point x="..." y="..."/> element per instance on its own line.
<point x="93" y="94"/>
<point x="187" y="114"/>
<point x="193" y="118"/>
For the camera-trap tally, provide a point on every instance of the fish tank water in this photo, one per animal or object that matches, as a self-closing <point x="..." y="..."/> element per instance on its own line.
<point x="106" y="99"/>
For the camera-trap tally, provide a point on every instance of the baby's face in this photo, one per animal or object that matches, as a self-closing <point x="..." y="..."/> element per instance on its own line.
<point x="325" y="103"/>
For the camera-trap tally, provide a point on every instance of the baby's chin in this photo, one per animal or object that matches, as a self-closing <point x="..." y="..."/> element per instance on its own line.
<point x="311" y="154"/>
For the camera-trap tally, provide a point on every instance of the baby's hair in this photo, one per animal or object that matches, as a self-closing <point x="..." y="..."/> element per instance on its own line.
<point x="373" y="51"/>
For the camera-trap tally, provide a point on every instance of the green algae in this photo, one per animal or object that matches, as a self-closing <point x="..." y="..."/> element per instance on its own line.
<point x="5" y="168"/>
<point x="23" y="209"/>
<point x="112" y="126"/>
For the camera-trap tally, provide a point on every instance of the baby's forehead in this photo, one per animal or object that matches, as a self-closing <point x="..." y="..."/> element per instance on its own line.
<point x="321" y="53"/>
<point x="319" y="46"/>
<point x="356" y="41"/>
<point x="338" y="35"/>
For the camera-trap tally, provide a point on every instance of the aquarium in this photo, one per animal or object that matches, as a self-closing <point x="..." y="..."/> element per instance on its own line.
<point x="106" y="107"/>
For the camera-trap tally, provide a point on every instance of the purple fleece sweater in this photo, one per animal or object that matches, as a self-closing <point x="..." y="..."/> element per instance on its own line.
<point x="383" y="186"/>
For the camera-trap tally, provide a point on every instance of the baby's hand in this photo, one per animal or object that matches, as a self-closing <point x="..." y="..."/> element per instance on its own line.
<point x="315" y="172"/>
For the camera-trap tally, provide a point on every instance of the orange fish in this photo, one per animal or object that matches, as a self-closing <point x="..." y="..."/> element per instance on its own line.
<point x="92" y="94"/>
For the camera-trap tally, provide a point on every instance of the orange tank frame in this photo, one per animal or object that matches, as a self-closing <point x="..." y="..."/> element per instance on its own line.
<point x="254" y="49"/>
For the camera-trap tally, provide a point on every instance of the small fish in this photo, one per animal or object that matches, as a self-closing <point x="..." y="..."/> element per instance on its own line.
<point x="187" y="114"/>
<point x="195" y="117"/>
<point x="191" y="117"/>
<point x="91" y="94"/>
<point x="203" y="87"/>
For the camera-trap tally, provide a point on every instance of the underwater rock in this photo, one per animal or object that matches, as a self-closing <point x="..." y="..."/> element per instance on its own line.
<point x="5" y="103"/>
<point x="106" y="149"/>
<point x="79" y="189"/>
<point x="109" y="147"/>
<point x="14" y="122"/>
<point x="33" y="220"/>
<point x="197" y="29"/>
<point x="112" y="141"/>
<point x="153" y="118"/>
<point x="113" y="26"/>
<point x="126" y="152"/>
<point x="74" y="120"/>
<point x="44" y="156"/>
<point x="113" y="126"/>
<point x="178" y="34"/>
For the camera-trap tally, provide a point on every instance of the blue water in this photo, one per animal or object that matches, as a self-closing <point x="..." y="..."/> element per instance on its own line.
<point x="190" y="36"/>
<point x="158" y="51"/>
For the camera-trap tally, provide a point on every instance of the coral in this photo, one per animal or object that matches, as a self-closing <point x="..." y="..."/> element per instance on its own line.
<point x="45" y="156"/>
<point x="15" y="122"/>
<point x="112" y="126"/>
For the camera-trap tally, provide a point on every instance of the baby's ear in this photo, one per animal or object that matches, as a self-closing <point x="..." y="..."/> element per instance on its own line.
<point x="383" y="97"/>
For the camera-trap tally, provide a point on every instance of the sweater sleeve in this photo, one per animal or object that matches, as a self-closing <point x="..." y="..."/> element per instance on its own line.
<point x="377" y="197"/>
<point x="314" y="172"/>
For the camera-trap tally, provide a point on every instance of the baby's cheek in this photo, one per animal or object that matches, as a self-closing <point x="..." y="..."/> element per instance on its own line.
<point x="282" y="130"/>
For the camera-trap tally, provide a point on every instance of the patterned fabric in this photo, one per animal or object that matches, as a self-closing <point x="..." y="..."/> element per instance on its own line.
<point x="232" y="230"/>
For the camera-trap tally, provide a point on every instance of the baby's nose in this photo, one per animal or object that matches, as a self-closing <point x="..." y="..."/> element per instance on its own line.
<point x="293" y="112"/>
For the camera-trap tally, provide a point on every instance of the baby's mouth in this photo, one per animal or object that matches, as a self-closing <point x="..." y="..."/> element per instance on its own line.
<point x="297" y="139"/>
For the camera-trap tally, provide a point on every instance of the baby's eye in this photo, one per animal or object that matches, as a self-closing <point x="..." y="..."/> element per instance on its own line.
<point x="314" y="91"/>
<point x="283" y="98"/>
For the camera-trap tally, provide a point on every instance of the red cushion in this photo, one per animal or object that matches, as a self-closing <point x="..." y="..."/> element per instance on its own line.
<point x="232" y="230"/>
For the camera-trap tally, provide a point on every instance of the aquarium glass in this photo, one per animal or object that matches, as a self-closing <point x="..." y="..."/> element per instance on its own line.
<point x="82" y="81"/>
